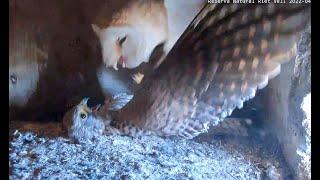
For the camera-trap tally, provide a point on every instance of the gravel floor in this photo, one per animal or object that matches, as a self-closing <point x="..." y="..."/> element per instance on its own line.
<point x="122" y="157"/>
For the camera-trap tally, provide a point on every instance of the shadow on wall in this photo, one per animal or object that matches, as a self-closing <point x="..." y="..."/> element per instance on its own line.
<point x="53" y="57"/>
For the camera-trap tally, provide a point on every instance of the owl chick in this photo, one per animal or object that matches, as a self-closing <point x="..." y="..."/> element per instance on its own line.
<point x="134" y="32"/>
<point x="85" y="123"/>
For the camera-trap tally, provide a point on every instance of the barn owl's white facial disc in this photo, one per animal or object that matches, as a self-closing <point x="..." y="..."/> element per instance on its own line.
<point x="121" y="45"/>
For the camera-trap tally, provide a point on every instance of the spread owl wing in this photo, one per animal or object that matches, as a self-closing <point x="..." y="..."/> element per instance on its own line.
<point x="224" y="56"/>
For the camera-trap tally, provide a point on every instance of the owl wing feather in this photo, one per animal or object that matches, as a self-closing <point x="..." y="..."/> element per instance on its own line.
<point x="224" y="56"/>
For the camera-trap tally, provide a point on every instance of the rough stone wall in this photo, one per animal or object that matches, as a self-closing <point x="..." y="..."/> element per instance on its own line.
<point x="283" y="98"/>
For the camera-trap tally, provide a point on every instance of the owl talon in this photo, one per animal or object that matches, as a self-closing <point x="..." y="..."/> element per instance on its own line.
<point x="137" y="77"/>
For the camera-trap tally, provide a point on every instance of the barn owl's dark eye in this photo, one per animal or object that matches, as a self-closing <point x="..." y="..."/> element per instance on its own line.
<point x="121" y="41"/>
<point x="13" y="79"/>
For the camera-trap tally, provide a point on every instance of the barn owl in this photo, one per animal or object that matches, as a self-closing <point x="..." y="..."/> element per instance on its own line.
<point x="133" y="33"/>
<point x="26" y="58"/>
<point x="224" y="56"/>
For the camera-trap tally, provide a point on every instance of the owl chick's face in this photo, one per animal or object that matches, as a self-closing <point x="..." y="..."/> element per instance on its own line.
<point x="82" y="122"/>
<point x="120" y="45"/>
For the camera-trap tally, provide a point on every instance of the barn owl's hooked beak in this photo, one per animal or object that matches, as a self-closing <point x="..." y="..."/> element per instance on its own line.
<point x="121" y="61"/>
<point x="115" y="66"/>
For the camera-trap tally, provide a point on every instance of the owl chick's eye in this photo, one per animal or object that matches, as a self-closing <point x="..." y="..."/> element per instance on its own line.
<point x="83" y="115"/>
<point x="121" y="41"/>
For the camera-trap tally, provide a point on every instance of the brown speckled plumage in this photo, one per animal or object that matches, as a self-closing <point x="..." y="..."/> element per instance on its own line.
<point x="224" y="56"/>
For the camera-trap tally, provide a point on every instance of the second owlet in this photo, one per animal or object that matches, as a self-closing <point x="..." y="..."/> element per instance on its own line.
<point x="226" y="54"/>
